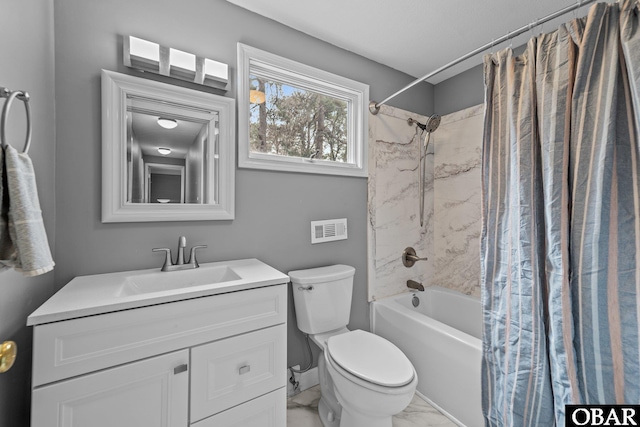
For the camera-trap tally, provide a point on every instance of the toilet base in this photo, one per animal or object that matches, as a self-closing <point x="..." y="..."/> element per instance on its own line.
<point x="328" y="417"/>
<point x="328" y="408"/>
<point x="351" y="419"/>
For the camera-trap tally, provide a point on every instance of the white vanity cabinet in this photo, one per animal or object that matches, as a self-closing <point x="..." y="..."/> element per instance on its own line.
<point x="212" y="360"/>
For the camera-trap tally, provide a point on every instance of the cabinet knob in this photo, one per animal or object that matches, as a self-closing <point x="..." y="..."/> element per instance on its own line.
<point x="180" y="368"/>
<point x="244" y="369"/>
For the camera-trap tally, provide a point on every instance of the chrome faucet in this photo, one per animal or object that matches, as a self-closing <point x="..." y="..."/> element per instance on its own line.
<point x="415" y="285"/>
<point x="180" y="264"/>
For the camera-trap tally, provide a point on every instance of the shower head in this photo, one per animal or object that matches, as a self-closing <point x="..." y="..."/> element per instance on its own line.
<point x="430" y="126"/>
<point x="432" y="123"/>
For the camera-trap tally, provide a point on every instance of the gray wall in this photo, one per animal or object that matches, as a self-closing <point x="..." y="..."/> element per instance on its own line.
<point x="27" y="64"/>
<point x="463" y="90"/>
<point x="273" y="209"/>
<point x="459" y="92"/>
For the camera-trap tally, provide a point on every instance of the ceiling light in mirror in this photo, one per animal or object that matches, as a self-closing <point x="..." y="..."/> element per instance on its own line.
<point x="167" y="123"/>
<point x="164" y="151"/>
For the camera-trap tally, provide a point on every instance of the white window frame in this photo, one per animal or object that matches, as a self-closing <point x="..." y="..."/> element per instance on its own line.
<point x="252" y="61"/>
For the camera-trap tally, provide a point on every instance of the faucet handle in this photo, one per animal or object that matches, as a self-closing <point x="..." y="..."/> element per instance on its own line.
<point x="167" y="259"/>
<point x="192" y="256"/>
<point x="409" y="257"/>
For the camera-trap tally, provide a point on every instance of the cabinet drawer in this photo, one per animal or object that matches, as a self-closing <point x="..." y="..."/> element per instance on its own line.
<point x="265" y="411"/>
<point x="74" y="347"/>
<point x="229" y="372"/>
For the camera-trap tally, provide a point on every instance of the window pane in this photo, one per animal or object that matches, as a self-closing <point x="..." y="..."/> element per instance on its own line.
<point x="295" y="122"/>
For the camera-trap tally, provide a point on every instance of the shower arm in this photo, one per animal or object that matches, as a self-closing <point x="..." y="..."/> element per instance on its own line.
<point x="412" y="121"/>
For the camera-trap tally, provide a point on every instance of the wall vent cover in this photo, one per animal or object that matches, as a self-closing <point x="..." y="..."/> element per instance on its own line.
<point x="328" y="230"/>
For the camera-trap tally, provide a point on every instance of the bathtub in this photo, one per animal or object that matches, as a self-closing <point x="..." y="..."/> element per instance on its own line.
<point x="442" y="338"/>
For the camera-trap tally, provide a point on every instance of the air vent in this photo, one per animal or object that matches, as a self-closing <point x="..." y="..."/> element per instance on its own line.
<point x="328" y="230"/>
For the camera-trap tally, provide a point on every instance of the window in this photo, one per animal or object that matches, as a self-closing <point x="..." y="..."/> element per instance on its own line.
<point x="293" y="117"/>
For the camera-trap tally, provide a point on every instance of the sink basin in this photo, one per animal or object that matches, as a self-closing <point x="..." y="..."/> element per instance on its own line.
<point x="160" y="281"/>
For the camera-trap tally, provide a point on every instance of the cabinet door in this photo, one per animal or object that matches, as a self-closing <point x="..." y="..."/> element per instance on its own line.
<point x="152" y="392"/>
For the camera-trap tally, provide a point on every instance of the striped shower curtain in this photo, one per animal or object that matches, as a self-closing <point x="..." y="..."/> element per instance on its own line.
<point x="561" y="221"/>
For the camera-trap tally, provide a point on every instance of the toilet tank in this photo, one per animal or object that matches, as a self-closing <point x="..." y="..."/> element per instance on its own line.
<point x="322" y="297"/>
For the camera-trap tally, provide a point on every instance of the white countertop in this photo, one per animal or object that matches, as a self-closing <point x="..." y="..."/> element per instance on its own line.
<point x="102" y="293"/>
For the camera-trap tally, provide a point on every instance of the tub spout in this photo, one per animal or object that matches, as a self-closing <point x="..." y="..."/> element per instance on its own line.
<point x="415" y="285"/>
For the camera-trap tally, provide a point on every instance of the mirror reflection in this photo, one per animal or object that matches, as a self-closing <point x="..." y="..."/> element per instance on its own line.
<point x="171" y="153"/>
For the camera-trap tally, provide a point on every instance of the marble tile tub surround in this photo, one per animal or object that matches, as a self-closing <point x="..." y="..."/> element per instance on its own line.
<point x="450" y="237"/>
<point x="393" y="215"/>
<point x="457" y="203"/>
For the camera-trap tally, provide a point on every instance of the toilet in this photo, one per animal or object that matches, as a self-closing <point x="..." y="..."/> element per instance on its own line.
<point x="364" y="379"/>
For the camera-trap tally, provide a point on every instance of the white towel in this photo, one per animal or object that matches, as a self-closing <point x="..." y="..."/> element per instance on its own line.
<point x="29" y="252"/>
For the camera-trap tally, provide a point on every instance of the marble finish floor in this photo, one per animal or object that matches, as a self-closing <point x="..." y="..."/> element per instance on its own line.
<point x="302" y="411"/>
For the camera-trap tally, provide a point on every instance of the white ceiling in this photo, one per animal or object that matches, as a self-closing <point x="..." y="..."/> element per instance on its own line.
<point x="150" y="135"/>
<point x="413" y="36"/>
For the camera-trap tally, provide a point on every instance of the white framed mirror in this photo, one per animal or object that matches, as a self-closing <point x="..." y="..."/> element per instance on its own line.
<point x="168" y="152"/>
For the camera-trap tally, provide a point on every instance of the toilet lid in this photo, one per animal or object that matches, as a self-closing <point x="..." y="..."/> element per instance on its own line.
<point x="371" y="358"/>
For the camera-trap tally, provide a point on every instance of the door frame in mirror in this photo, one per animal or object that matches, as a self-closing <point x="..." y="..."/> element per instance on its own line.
<point x="115" y="208"/>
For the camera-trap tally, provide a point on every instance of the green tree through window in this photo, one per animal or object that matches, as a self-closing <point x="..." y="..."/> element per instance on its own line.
<point x="295" y="122"/>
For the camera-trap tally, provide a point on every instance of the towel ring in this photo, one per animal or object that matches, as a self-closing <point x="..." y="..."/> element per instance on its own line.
<point x="24" y="97"/>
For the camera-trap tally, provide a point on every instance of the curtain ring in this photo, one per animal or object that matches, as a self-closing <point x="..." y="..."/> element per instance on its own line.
<point x="578" y="6"/>
<point x="24" y="96"/>
<point x="532" y="26"/>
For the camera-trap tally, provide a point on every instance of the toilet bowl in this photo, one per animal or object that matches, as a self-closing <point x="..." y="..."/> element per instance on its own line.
<point x="364" y="379"/>
<point x="373" y="379"/>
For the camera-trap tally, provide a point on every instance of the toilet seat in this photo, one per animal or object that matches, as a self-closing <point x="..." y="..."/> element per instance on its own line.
<point x="370" y="358"/>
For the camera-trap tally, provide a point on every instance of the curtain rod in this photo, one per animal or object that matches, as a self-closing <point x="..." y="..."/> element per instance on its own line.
<point x="374" y="107"/>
